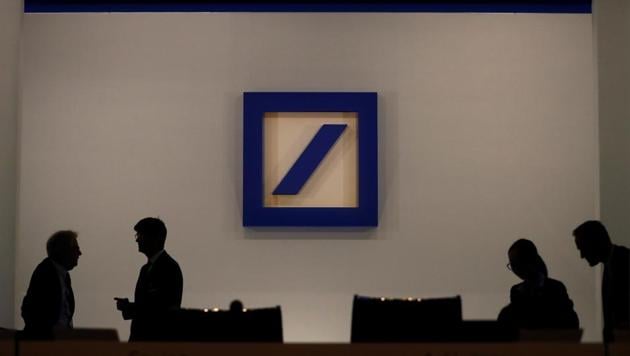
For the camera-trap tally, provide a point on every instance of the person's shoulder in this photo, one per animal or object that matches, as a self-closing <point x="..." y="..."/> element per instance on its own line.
<point x="517" y="289"/>
<point x="44" y="274"/>
<point x="169" y="267"/>
<point x="167" y="260"/>
<point x="555" y="286"/>
<point x="555" y="283"/>
<point x="46" y="265"/>
<point x="621" y="250"/>
<point x="620" y="256"/>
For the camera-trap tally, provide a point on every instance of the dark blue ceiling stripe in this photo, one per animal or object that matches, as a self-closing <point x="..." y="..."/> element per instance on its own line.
<point x="533" y="6"/>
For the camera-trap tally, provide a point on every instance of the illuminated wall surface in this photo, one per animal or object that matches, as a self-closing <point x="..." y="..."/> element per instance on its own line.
<point x="487" y="133"/>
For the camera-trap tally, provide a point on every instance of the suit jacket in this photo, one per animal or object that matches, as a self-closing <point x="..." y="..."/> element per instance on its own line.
<point x="540" y="307"/>
<point x="41" y="307"/>
<point x="615" y="292"/>
<point x="158" y="290"/>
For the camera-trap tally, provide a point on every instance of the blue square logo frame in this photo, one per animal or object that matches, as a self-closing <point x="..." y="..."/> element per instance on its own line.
<point x="256" y="104"/>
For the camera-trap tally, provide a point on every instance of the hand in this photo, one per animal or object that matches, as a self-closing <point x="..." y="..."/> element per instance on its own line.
<point x="122" y="304"/>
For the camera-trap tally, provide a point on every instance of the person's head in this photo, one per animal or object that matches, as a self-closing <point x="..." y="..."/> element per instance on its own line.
<point x="593" y="242"/>
<point x="150" y="235"/>
<point x="525" y="261"/>
<point x="63" y="248"/>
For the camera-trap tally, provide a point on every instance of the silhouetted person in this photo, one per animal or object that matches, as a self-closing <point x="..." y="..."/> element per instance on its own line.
<point x="159" y="286"/>
<point x="538" y="302"/>
<point x="593" y="242"/>
<point x="236" y="306"/>
<point x="49" y="301"/>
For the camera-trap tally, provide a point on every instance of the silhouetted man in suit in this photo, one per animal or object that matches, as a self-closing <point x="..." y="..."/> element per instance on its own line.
<point x="593" y="242"/>
<point x="49" y="301"/>
<point x="159" y="287"/>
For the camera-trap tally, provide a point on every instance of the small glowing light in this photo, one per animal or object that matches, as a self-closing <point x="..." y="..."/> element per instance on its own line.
<point x="382" y="299"/>
<point x="244" y="310"/>
<point x="410" y="299"/>
<point x="205" y="310"/>
<point x="215" y="309"/>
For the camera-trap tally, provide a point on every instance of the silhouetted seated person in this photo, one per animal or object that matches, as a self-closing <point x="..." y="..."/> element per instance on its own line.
<point x="159" y="287"/>
<point x="236" y="306"/>
<point x="49" y="301"/>
<point x="538" y="302"/>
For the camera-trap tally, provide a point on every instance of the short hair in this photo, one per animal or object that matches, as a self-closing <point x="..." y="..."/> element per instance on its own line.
<point x="59" y="242"/>
<point x="528" y="250"/>
<point x="154" y="228"/>
<point x="524" y="246"/>
<point x="592" y="229"/>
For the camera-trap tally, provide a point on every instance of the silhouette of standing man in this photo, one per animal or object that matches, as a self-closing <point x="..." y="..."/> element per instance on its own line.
<point x="159" y="287"/>
<point x="593" y="242"/>
<point x="49" y="301"/>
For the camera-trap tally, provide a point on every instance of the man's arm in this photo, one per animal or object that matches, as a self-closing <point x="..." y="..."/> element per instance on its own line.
<point x="127" y="308"/>
<point x="40" y="307"/>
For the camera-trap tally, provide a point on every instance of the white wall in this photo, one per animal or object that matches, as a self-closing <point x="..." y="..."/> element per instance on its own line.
<point x="612" y="18"/>
<point x="10" y="20"/>
<point x="487" y="134"/>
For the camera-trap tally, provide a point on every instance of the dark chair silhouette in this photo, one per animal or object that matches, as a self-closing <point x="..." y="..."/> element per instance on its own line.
<point x="7" y="334"/>
<point x="236" y="324"/>
<point x="405" y="320"/>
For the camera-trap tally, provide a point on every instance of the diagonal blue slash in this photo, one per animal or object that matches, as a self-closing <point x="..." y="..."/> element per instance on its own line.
<point x="308" y="161"/>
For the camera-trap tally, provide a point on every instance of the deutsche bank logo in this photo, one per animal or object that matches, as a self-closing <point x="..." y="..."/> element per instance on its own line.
<point x="310" y="159"/>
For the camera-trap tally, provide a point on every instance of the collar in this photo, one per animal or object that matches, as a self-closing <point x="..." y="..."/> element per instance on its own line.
<point x="536" y="283"/>
<point x="60" y="269"/>
<point x="157" y="255"/>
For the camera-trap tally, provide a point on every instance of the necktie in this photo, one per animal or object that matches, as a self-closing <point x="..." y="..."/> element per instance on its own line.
<point x="69" y="297"/>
